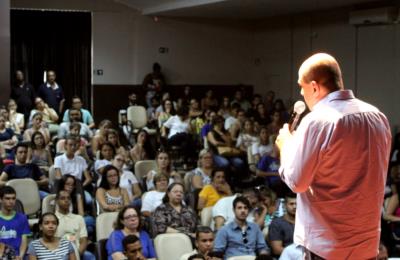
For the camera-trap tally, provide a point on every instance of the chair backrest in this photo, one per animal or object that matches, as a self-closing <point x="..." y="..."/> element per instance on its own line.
<point x="206" y="216"/>
<point x="242" y="257"/>
<point x="52" y="176"/>
<point x="172" y="246"/>
<point x="48" y="203"/>
<point x="28" y="193"/>
<point x="137" y="115"/>
<point x="143" y="167"/>
<point x="104" y="224"/>
<point x="101" y="251"/>
<point x="186" y="181"/>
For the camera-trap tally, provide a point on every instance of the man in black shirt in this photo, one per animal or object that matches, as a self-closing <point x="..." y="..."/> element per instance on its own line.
<point x="24" y="94"/>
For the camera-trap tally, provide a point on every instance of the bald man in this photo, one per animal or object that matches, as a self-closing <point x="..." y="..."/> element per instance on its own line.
<point x="336" y="161"/>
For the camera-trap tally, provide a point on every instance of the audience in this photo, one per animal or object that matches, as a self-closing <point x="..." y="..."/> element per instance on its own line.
<point x="109" y="195"/>
<point x="154" y="198"/>
<point x="80" y="148"/>
<point x="52" y="93"/>
<point x="128" y="223"/>
<point x="128" y="180"/>
<point x="201" y="175"/>
<point x="217" y="189"/>
<point x="38" y="153"/>
<point x="141" y="150"/>
<point x="71" y="226"/>
<point x="181" y="219"/>
<point x="49" y="246"/>
<point x="133" y="248"/>
<point x="74" y="117"/>
<point x="49" y="115"/>
<point x="14" y="225"/>
<point x="281" y="229"/>
<point x="87" y="118"/>
<point x="240" y="237"/>
<point x="21" y="169"/>
<point x="164" y="167"/>
<point x="37" y="126"/>
<point x="70" y="163"/>
<point x="204" y="243"/>
<point x="24" y="94"/>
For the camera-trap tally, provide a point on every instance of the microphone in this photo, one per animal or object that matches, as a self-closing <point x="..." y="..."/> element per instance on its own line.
<point x="299" y="108"/>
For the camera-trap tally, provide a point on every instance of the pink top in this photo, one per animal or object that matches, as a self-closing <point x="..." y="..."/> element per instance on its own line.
<point x="337" y="163"/>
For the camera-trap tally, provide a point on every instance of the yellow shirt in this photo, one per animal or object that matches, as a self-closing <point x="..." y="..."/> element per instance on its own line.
<point x="210" y="195"/>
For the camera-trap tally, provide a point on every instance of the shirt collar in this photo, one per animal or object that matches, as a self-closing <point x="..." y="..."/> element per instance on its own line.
<point x="49" y="86"/>
<point x="336" y="95"/>
<point x="60" y="215"/>
<point x="235" y="226"/>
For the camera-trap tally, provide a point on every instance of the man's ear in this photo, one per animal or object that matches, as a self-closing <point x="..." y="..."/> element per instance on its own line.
<point x="316" y="88"/>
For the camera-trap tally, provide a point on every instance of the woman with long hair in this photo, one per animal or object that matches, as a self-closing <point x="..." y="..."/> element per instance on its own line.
<point x="109" y="195"/>
<point x="38" y="153"/>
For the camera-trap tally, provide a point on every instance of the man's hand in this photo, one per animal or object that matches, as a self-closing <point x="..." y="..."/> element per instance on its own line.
<point x="283" y="137"/>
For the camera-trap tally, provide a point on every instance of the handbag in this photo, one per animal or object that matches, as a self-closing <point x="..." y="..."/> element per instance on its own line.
<point x="228" y="151"/>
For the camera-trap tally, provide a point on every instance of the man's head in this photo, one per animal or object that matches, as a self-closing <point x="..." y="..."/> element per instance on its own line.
<point x="51" y="76"/>
<point x="74" y="128"/>
<point x="70" y="145"/>
<point x="21" y="153"/>
<point x="76" y="102"/>
<point x="132" y="98"/>
<point x="319" y="75"/>
<point x="204" y="239"/>
<point x="290" y="204"/>
<point x="132" y="248"/>
<point x="63" y="200"/>
<point x="74" y="115"/>
<point x="238" y="95"/>
<point x="8" y="197"/>
<point x="241" y="207"/>
<point x="19" y="76"/>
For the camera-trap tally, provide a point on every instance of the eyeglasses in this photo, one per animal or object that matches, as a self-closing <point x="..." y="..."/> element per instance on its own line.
<point x="244" y="236"/>
<point x="130" y="217"/>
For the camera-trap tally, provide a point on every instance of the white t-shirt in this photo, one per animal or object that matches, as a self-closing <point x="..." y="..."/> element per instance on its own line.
<point x="261" y="149"/>
<point x="229" y="122"/>
<point x="152" y="200"/>
<point x="224" y="208"/>
<point x="126" y="181"/>
<point x="175" y="125"/>
<point x="75" y="166"/>
<point x="247" y="140"/>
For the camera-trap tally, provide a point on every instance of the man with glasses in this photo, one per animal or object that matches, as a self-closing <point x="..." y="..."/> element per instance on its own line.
<point x="240" y="237"/>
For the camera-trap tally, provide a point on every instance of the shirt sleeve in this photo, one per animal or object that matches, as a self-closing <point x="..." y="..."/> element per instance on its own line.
<point x="261" y="245"/>
<point x="274" y="233"/>
<point x="66" y="116"/>
<point x="146" y="203"/>
<point x="31" y="249"/>
<point x="301" y="154"/>
<point x="221" y="240"/>
<point x="57" y="163"/>
<point x="205" y="192"/>
<point x="169" y="122"/>
<point x="114" y="243"/>
<point x="149" y="245"/>
<point x="82" y="228"/>
<point x="25" y="225"/>
<point x="159" y="221"/>
<point x="9" y="169"/>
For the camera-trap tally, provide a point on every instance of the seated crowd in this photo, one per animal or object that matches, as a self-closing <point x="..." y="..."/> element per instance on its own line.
<point x="211" y="155"/>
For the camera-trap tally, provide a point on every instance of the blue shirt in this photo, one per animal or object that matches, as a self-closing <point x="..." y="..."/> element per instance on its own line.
<point x="114" y="244"/>
<point x="51" y="96"/>
<point x="86" y="116"/>
<point x="12" y="229"/>
<point x="28" y="170"/>
<point x="230" y="240"/>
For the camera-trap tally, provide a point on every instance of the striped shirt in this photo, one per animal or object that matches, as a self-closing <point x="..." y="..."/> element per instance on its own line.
<point x="38" y="249"/>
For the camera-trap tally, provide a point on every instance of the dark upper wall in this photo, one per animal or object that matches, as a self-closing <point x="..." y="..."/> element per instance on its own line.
<point x="4" y="51"/>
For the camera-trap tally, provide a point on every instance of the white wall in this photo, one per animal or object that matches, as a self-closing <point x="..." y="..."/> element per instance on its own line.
<point x="125" y="44"/>
<point x="369" y="57"/>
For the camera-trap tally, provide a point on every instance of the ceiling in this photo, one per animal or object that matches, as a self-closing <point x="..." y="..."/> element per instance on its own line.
<point x="239" y="9"/>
